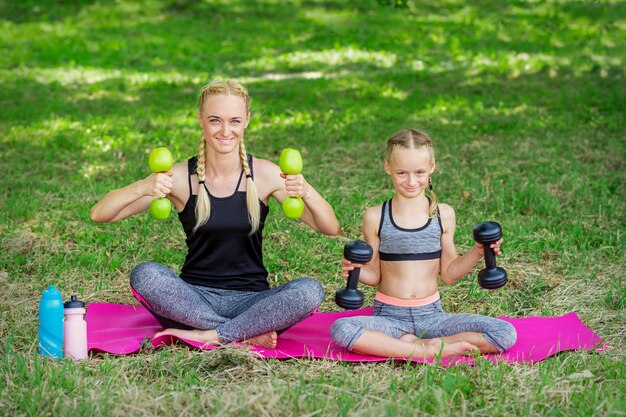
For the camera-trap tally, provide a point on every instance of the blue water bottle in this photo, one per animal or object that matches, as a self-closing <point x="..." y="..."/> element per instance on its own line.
<point x="51" y="323"/>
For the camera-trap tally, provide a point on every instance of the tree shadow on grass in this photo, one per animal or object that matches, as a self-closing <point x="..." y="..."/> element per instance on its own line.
<point x="24" y="11"/>
<point x="251" y="39"/>
<point x="339" y="111"/>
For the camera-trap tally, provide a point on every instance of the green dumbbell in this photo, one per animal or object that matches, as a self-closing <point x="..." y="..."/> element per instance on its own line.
<point x="291" y="163"/>
<point x="160" y="160"/>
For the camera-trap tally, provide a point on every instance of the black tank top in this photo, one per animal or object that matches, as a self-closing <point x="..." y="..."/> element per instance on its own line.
<point x="222" y="253"/>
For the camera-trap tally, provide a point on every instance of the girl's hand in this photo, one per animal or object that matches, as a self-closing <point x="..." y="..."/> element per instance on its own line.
<point x="295" y="185"/>
<point x="159" y="184"/>
<point x="347" y="266"/>
<point x="495" y="246"/>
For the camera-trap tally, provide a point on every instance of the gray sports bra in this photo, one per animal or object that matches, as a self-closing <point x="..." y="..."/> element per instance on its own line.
<point x="399" y="244"/>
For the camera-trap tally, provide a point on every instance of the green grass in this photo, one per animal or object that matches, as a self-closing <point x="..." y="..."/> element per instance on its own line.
<point x="524" y="100"/>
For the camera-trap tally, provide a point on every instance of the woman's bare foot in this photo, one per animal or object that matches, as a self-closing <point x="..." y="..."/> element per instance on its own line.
<point x="210" y="337"/>
<point x="207" y="337"/>
<point x="267" y="340"/>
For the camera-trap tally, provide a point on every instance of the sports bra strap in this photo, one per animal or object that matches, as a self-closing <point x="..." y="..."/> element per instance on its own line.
<point x="382" y="216"/>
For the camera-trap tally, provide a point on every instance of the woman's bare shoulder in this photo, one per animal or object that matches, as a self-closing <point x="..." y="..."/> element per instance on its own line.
<point x="264" y="166"/>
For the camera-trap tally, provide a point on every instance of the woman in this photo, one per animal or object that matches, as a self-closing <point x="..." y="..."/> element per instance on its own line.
<point x="222" y="294"/>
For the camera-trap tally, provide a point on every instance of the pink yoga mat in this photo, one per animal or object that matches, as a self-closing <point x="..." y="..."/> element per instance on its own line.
<point x="121" y="329"/>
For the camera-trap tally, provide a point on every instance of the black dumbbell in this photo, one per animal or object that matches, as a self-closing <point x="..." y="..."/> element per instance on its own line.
<point x="358" y="252"/>
<point x="492" y="277"/>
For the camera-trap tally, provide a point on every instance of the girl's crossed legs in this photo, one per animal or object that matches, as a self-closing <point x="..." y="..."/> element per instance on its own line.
<point x="425" y="331"/>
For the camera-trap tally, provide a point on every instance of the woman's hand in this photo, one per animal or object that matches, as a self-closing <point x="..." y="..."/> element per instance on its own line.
<point x="295" y="185"/>
<point x="159" y="184"/>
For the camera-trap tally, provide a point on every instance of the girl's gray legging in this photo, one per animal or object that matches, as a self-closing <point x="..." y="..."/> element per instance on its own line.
<point x="425" y="322"/>
<point x="235" y="315"/>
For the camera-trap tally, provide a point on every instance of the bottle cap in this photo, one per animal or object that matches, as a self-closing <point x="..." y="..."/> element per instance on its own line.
<point x="51" y="292"/>
<point x="74" y="303"/>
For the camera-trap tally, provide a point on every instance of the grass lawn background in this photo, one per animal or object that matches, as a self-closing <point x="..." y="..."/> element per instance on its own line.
<point x="524" y="101"/>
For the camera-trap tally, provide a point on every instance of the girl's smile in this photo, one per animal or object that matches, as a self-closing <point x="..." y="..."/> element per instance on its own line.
<point x="410" y="170"/>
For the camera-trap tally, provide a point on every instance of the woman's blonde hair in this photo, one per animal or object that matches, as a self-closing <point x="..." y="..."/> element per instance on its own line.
<point x="414" y="139"/>
<point x="203" y="206"/>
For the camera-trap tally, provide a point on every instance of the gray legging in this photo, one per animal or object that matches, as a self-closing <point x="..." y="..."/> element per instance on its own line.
<point x="235" y="315"/>
<point x="425" y="322"/>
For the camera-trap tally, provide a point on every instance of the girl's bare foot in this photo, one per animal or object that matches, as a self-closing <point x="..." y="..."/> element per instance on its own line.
<point x="460" y="348"/>
<point x="411" y="338"/>
<point x="439" y="348"/>
<point x="267" y="340"/>
<point x="208" y="337"/>
<point x="435" y="341"/>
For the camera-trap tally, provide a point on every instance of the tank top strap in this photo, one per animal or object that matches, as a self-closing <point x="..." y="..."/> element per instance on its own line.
<point x="239" y="181"/>
<point x="192" y="164"/>
<point x="242" y="171"/>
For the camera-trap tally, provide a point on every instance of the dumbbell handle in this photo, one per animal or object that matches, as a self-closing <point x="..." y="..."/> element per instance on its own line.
<point x="490" y="256"/>
<point x="353" y="278"/>
<point x="487" y="233"/>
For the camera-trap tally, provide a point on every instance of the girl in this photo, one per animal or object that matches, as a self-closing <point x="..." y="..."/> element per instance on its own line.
<point x="412" y="236"/>
<point x="221" y="195"/>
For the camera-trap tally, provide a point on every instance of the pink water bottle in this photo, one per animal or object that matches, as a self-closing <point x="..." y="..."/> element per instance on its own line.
<point x="75" y="329"/>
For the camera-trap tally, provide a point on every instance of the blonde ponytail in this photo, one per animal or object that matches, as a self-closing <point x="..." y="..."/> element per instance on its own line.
<point x="252" y="196"/>
<point x="433" y="199"/>
<point x="203" y="203"/>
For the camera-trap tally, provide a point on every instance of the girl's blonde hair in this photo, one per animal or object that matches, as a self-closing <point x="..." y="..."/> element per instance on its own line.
<point x="203" y="206"/>
<point x="414" y="139"/>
